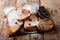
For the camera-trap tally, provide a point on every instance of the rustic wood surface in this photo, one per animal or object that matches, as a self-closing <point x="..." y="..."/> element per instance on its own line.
<point x="53" y="6"/>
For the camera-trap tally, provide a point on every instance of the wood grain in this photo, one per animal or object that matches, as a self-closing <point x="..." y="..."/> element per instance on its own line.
<point x="53" y="7"/>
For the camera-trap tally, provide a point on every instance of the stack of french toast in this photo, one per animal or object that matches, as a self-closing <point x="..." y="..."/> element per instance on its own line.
<point x="32" y="16"/>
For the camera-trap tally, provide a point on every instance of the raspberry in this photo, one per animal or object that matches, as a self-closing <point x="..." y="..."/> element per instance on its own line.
<point x="15" y="22"/>
<point x="22" y="11"/>
<point x="28" y="11"/>
<point x="29" y="24"/>
<point x="30" y="19"/>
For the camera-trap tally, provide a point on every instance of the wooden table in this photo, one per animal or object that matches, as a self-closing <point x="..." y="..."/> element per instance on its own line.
<point x="53" y="35"/>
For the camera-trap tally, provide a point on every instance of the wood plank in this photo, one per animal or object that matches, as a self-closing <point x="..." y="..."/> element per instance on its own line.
<point x="20" y="2"/>
<point x="4" y="35"/>
<point x="36" y="37"/>
<point x="58" y="29"/>
<point x="40" y="37"/>
<point x="35" y="1"/>
<point x="58" y="34"/>
<point x="24" y="37"/>
<point x="50" y="36"/>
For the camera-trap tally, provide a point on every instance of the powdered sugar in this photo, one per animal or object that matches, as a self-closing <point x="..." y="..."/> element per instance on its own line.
<point x="33" y="7"/>
<point x="12" y="24"/>
<point x="33" y="22"/>
<point x="12" y="16"/>
<point x="8" y="9"/>
<point x="22" y="15"/>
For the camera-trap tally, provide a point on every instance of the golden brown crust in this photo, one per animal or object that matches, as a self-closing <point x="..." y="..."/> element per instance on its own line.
<point x="50" y="25"/>
<point x="11" y="30"/>
<point x="8" y="29"/>
<point x="30" y="27"/>
<point x="23" y="18"/>
<point x="4" y="15"/>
